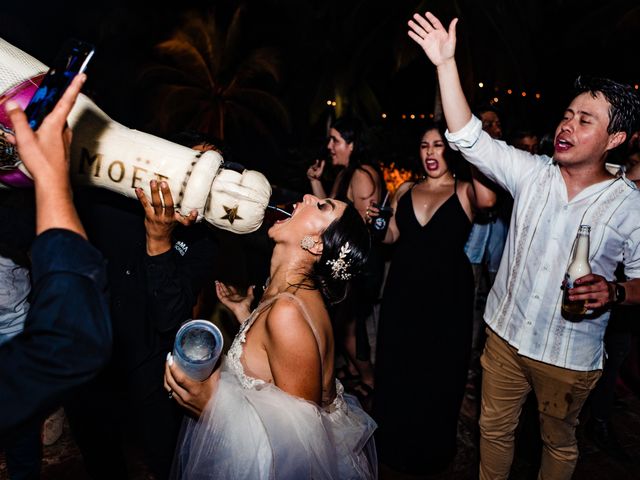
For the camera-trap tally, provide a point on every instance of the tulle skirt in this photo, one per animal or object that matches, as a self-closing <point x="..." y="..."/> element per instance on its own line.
<point x="265" y="433"/>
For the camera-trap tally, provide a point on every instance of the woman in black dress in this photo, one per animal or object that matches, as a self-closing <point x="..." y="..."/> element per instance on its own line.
<point x="424" y="336"/>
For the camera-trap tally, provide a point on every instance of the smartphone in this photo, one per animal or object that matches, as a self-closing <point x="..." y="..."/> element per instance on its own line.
<point x="72" y="59"/>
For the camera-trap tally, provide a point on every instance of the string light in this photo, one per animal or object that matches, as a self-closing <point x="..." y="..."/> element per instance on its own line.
<point x="492" y="100"/>
<point x="329" y="102"/>
<point x="636" y="86"/>
<point x="333" y="104"/>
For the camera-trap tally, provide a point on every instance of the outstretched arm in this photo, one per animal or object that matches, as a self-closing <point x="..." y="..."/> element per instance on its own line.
<point x="238" y="303"/>
<point x="440" y="46"/>
<point x="67" y="335"/>
<point x="45" y="153"/>
<point x="505" y="165"/>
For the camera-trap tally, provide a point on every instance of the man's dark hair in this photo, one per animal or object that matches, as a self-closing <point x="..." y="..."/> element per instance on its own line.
<point x="624" y="110"/>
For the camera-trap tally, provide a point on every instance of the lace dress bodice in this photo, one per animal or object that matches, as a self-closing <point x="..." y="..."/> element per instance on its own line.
<point x="234" y="363"/>
<point x="234" y="355"/>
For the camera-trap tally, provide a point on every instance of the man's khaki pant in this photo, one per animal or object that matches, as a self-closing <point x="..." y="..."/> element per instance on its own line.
<point x="507" y="379"/>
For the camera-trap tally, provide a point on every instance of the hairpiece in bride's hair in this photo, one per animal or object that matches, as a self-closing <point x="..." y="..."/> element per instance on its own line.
<point x="339" y="267"/>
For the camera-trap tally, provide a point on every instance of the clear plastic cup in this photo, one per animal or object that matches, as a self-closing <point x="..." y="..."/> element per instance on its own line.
<point x="197" y="348"/>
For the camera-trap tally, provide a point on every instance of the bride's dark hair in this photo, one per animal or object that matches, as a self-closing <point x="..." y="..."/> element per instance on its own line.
<point x="351" y="229"/>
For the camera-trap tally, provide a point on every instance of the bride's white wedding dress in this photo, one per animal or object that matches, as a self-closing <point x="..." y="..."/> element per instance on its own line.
<point x="250" y="429"/>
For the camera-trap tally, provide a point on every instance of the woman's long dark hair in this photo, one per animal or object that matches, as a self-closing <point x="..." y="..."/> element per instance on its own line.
<point x="351" y="229"/>
<point x="351" y="131"/>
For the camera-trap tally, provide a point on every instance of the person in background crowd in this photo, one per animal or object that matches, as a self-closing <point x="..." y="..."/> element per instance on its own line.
<point x="358" y="182"/>
<point x="484" y="248"/>
<point x="156" y="269"/>
<point x="424" y="336"/>
<point x="525" y="140"/>
<point x="246" y="259"/>
<point x="617" y="343"/>
<point x="24" y="451"/>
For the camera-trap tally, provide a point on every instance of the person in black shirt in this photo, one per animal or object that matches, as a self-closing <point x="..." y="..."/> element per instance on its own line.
<point x="156" y="268"/>
<point x="67" y="335"/>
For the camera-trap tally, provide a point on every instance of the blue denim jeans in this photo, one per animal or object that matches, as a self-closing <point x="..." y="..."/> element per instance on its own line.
<point x="486" y="243"/>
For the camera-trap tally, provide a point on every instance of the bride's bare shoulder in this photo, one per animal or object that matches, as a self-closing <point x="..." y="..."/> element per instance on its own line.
<point x="290" y="316"/>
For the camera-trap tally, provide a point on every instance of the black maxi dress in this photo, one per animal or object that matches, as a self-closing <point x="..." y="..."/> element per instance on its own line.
<point x="424" y="340"/>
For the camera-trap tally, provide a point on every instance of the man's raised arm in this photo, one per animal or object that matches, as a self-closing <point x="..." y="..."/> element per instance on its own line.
<point x="440" y="46"/>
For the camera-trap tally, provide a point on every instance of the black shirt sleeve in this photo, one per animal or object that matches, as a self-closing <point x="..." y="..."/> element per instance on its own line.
<point x="175" y="278"/>
<point x="67" y="335"/>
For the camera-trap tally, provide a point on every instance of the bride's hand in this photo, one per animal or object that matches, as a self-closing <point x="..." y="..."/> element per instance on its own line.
<point x="189" y="393"/>
<point x="238" y="303"/>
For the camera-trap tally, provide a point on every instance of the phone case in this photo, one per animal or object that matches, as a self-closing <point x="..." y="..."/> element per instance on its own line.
<point x="72" y="59"/>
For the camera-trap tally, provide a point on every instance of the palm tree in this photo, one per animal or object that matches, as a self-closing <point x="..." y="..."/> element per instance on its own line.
<point x="205" y="78"/>
<point x="339" y="48"/>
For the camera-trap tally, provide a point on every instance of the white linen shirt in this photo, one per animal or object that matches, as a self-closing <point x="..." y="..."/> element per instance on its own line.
<point x="523" y="306"/>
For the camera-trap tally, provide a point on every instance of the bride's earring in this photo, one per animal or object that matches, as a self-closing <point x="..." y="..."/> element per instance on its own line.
<point x="307" y="242"/>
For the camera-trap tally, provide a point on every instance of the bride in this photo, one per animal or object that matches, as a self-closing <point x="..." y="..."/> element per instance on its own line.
<point x="274" y="409"/>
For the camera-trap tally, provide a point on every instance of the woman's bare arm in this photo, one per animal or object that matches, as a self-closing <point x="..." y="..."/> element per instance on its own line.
<point x="484" y="196"/>
<point x="364" y="189"/>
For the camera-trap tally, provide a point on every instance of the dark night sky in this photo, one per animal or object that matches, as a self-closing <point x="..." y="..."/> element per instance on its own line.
<point x="523" y="45"/>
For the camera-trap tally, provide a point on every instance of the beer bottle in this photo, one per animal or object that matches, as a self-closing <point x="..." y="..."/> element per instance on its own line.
<point x="579" y="267"/>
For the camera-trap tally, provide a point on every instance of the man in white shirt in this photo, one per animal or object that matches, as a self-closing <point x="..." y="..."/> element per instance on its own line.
<point x="530" y="345"/>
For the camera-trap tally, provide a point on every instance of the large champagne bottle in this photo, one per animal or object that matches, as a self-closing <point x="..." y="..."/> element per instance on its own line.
<point x="579" y="267"/>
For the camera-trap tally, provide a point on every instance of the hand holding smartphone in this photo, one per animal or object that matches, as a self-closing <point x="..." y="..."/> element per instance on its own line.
<point x="72" y="59"/>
